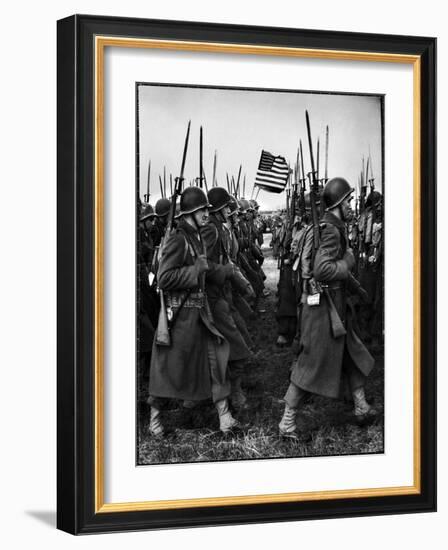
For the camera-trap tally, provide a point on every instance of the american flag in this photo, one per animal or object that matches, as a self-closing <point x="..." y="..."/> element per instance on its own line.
<point x="272" y="174"/>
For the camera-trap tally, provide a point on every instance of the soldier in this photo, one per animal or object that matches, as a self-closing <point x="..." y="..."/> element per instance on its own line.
<point x="162" y="210"/>
<point x="301" y="258"/>
<point x="243" y="295"/>
<point x="249" y="265"/>
<point x="259" y="223"/>
<point x="286" y="312"/>
<point x="370" y="269"/>
<point x="330" y="348"/>
<point x="146" y="241"/>
<point x="276" y="234"/>
<point x="194" y="366"/>
<point x="148" y="305"/>
<point x="222" y="271"/>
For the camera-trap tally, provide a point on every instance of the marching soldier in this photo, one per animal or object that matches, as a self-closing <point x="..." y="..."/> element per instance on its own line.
<point x="286" y="312"/>
<point x="162" y="211"/>
<point x="250" y="267"/>
<point x="194" y="365"/>
<point x="222" y="271"/>
<point x="243" y="294"/>
<point x="330" y="348"/>
<point x="148" y="305"/>
<point x="370" y="269"/>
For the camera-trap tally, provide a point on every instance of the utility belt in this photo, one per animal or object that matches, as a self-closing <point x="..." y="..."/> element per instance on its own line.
<point x="192" y="300"/>
<point x="333" y="286"/>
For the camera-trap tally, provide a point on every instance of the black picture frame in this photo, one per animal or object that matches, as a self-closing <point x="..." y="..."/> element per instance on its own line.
<point x="76" y="511"/>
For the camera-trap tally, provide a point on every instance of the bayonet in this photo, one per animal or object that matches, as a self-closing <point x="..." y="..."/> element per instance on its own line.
<point x="238" y="182"/>
<point x="161" y="186"/>
<point x="214" y="170"/>
<point x="179" y="181"/>
<point x="148" y="181"/>
<point x="314" y="188"/>
<point x="201" y="171"/>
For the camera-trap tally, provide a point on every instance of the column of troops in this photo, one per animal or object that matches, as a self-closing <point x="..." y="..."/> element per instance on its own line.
<point x="201" y="280"/>
<point x="330" y="297"/>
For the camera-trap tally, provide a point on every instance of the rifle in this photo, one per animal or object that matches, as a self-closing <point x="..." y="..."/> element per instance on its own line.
<point x="214" y="171"/>
<point x="337" y="327"/>
<point x="238" y="182"/>
<point x="372" y="179"/>
<point x="326" y="154"/>
<point x="314" y="189"/>
<point x="161" y="186"/>
<point x="163" y="333"/>
<point x="146" y="196"/>
<point x="302" y="180"/>
<point x="200" y="158"/>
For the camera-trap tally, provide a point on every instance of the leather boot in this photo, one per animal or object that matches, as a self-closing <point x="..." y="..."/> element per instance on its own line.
<point x="155" y="423"/>
<point x="227" y="423"/>
<point x="362" y="409"/>
<point x="287" y="426"/>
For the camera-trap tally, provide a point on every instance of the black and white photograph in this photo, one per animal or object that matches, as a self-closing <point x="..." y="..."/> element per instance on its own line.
<point x="259" y="273"/>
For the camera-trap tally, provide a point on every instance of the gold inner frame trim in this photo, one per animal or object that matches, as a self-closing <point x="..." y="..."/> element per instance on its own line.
<point x="101" y="42"/>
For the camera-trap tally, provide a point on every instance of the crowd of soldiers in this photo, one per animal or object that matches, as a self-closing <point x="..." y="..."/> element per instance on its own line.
<point x="364" y="235"/>
<point x="201" y="280"/>
<point x="330" y="296"/>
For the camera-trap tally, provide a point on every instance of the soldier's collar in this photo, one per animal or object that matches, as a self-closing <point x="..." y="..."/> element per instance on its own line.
<point x="329" y="217"/>
<point x="185" y="226"/>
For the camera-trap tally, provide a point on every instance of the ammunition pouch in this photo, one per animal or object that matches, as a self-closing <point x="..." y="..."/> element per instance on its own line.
<point x="190" y="300"/>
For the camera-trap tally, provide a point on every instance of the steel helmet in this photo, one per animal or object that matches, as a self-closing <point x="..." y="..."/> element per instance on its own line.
<point x="243" y="205"/>
<point x="373" y="199"/>
<point x="218" y="197"/>
<point x="335" y="192"/>
<point x="162" y="207"/>
<point x="147" y="212"/>
<point x="193" y="199"/>
<point x="317" y="198"/>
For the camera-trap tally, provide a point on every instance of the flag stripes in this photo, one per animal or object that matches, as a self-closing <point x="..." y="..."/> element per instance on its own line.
<point x="272" y="173"/>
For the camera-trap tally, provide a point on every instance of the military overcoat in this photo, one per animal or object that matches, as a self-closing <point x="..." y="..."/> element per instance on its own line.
<point x="218" y="287"/>
<point x="194" y="366"/>
<point x="323" y="359"/>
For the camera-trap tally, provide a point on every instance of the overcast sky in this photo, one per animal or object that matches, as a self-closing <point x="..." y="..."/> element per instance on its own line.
<point x="238" y="124"/>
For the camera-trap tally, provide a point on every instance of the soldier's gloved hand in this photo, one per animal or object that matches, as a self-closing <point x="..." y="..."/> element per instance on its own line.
<point x="349" y="259"/>
<point x="201" y="263"/>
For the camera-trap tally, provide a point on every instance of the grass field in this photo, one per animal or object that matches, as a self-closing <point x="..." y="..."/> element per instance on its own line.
<point x="328" y="425"/>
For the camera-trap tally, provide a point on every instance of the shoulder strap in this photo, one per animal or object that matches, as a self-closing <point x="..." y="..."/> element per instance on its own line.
<point x="188" y="244"/>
